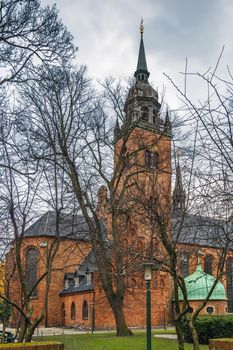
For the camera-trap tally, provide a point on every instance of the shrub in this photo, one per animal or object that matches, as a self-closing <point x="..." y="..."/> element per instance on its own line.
<point x="210" y="327"/>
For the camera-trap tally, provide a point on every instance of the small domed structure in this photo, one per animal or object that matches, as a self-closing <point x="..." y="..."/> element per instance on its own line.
<point x="199" y="284"/>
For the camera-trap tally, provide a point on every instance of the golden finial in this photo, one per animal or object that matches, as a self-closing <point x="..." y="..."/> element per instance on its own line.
<point x="141" y="26"/>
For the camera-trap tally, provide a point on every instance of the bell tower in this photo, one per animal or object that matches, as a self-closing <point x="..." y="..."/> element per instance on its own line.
<point x="143" y="143"/>
<point x="142" y="107"/>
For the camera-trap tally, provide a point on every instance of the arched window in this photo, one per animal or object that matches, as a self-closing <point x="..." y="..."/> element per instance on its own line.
<point x="72" y="311"/>
<point x="31" y="270"/>
<point x="133" y="283"/>
<point x="154" y="160"/>
<point x="208" y="264"/>
<point x="85" y="310"/>
<point x="144" y="113"/>
<point x="63" y="314"/>
<point x="161" y="284"/>
<point x="184" y="265"/>
<point x="229" y="273"/>
<point x="155" y="284"/>
<point x="147" y="158"/>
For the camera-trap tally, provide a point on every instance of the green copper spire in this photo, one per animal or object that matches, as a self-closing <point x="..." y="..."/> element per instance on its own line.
<point x="141" y="73"/>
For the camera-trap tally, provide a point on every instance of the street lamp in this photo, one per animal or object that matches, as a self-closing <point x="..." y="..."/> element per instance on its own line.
<point x="148" y="267"/>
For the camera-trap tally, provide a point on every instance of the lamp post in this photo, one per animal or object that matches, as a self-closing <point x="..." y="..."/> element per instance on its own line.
<point x="148" y="277"/>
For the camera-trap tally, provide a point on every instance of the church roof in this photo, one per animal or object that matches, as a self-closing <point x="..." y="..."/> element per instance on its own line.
<point x="83" y="287"/>
<point x="70" y="226"/>
<point x="199" y="284"/>
<point x="200" y="230"/>
<point x="88" y="264"/>
<point x="189" y="229"/>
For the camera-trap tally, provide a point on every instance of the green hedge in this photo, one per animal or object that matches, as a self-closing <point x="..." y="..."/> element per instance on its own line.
<point x="210" y="327"/>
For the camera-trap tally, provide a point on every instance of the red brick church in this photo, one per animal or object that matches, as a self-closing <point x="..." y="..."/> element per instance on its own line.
<point x="76" y="296"/>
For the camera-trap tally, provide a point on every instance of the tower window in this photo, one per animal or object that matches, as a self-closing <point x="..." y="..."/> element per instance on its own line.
<point x="151" y="159"/>
<point x="154" y="116"/>
<point x="144" y="114"/>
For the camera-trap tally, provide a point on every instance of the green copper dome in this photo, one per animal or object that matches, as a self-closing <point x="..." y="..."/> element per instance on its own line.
<point x="198" y="285"/>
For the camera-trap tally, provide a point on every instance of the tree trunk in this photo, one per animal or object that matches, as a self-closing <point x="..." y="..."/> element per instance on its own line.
<point x="180" y="336"/>
<point x="3" y="330"/>
<point x="29" y="334"/>
<point x="23" y="330"/>
<point x="118" y="312"/>
<point x="194" y="335"/>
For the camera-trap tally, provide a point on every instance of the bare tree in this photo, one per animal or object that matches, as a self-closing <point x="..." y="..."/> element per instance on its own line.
<point x="23" y="189"/>
<point x="30" y="35"/>
<point x="207" y="155"/>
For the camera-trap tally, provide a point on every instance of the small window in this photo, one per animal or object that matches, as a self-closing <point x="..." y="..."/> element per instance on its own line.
<point x="89" y="278"/>
<point x="63" y="314"/>
<point x="208" y="264"/>
<point x="144" y="113"/>
<point x="151" y="159"/>
<point x="72" y="311"/>
<point x="155" y="284"/>
<point x="133" y="283"/>
<point x="85" y="310"/>
<point x="161" y="285"/>
<point x="210" y="310"/>
<point x="147" y="158"/>
<point x="76" y="282"/>
<point x="81" y="280"/>
<point x="66" y="283"/>
<point x="154" y="116"/>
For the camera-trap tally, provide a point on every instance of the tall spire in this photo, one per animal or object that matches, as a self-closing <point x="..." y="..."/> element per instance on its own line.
<point x="167" y="124"/>
<point x="178" y="193"/>
<point x="142" y="73"/>
<point x="116" y="129"/>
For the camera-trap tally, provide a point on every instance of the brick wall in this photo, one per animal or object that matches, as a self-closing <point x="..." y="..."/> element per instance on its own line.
<point x="67" y="258"/>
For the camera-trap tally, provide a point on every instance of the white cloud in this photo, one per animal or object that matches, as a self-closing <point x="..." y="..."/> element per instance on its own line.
<point x="107" y="34"/>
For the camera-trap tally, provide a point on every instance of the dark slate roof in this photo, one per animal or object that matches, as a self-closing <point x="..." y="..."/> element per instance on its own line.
<point x="200" y="230"/>
<point x="83" y="287"/>
<point x="69" y="275"/>
<point x="70" y="226"/>
<point x="88" y="264"/>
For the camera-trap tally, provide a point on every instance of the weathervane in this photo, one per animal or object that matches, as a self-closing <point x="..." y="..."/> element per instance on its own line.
<point x="141" y="27"/>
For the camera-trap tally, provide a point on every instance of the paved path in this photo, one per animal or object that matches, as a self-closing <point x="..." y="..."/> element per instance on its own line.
<point x="41" y="331"/>
<point x="167" y="336"/>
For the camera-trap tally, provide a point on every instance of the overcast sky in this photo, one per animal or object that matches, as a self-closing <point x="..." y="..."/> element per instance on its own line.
<point x="107" y="35"/>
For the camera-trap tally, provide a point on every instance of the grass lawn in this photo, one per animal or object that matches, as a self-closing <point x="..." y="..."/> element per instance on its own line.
<point x="108" y="341"/>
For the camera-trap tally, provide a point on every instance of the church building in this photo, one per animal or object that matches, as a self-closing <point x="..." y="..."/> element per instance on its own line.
<point x="76" y="297"/>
